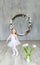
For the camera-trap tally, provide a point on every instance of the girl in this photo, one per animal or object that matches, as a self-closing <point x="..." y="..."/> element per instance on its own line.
<point x="13" y="42"/>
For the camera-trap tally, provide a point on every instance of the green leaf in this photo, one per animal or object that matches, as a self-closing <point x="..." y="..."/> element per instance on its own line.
<point x="26" y="49"/>
<point x="31" y="50"/>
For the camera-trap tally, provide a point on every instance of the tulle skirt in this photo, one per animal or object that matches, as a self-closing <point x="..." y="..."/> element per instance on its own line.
<point x="13" y="43"/>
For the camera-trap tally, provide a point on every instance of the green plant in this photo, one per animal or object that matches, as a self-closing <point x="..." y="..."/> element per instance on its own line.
<point x="27" y="51"/>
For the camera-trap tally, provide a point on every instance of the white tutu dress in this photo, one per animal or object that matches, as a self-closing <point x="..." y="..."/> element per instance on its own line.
<point x="14" y="41"/>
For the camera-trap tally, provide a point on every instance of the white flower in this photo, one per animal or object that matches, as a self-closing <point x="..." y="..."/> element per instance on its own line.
<point x="34" y="46"/>
<point x="24" y="45"/>
<point x="10" y="21"/>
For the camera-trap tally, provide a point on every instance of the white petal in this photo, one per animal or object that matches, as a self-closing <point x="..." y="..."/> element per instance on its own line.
<point x="24" y="45"/>
<point x="34" y="46"/>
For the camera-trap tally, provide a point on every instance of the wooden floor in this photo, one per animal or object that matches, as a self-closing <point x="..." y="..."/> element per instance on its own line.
<point x="7" y="59"/>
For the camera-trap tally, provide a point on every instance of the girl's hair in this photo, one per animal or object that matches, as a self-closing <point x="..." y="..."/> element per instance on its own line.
<point x="12" y="31"/>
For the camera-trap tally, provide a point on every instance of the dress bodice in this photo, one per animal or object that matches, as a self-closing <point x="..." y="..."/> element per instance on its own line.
<point x="13" y="37"/>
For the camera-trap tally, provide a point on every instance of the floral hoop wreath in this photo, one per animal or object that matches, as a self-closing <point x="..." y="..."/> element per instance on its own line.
<point x="29" y="23"/>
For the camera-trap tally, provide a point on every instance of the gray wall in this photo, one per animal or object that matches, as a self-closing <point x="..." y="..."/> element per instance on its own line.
<point x="9" y="8"/>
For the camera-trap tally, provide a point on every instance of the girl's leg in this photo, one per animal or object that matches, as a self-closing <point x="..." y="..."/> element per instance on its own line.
<point x="13" y="52"/>
<point x="16" y="51"/>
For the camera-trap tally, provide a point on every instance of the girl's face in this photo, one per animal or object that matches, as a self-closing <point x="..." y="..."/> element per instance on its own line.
<point x="14" y="31"/>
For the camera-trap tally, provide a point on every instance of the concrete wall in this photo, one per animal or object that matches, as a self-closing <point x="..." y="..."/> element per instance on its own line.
<point x="9" y="8"/>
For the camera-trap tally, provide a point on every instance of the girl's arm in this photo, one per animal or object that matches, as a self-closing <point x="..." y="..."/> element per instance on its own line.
<point x="8" y="37"/>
